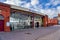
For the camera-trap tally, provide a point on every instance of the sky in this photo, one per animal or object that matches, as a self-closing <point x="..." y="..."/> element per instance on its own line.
<point x="48" y="7"/>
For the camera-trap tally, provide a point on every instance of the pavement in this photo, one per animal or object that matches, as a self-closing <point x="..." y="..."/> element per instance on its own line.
<point x="47" y="33"/>
<point x="53" y="36"/>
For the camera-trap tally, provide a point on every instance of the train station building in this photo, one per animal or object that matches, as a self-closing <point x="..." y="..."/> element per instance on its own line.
<point x="15" y="17"/>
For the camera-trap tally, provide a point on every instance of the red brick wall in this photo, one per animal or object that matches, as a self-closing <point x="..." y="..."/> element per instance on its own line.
<point x="6" y="13"/>
<point x="53" y="21"/>
<point x="45" y="21"/>
<point x="49" y="22"/>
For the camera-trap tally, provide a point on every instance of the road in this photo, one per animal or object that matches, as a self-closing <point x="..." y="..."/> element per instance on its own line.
<point x="48" y="33"/>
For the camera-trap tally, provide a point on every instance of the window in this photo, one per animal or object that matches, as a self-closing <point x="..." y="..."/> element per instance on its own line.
<point x="1" y="17"/>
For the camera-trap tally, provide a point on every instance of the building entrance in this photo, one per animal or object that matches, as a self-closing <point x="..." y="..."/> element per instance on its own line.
<point x="37" y="24"/>
<point x="1" y="23"/>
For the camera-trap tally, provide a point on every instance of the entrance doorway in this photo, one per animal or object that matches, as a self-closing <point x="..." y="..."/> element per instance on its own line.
<point x="1" y="23"/>
<point x="37" y="24"/>
<point x="31" y="24"/>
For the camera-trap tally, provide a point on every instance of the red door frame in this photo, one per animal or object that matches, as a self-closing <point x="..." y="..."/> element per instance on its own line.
<point x="1" y="25"/>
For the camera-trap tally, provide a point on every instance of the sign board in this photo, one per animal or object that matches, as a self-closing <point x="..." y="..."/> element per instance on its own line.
<point x="8" y="24"/>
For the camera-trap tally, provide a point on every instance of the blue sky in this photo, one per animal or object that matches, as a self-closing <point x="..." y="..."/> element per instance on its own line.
<point x="48" y="7"/>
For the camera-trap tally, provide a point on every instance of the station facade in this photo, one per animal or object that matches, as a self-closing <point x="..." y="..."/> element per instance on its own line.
<point x="14" y="17"/>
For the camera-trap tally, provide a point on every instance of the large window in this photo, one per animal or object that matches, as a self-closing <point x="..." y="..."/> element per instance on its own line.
<point x="19" y="20"/>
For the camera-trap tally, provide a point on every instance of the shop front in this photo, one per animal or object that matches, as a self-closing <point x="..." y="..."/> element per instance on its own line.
<point x="19" y="20"/>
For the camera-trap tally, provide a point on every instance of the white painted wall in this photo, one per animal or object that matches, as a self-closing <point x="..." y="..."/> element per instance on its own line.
<point x="38" y="20"/>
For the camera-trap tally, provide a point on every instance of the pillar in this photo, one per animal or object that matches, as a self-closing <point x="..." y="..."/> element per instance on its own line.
<point x="6" y="13"/>
<point x="45" y="21"/>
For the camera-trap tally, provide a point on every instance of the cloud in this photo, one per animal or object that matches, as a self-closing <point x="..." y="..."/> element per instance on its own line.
<point x="58" y="9"/>
<point x="56" y="2"/>
<point x="26" y="5"/>
<point x="10" y="2"/>
<point x="13" y="2"/>
<point x="47" y="4"/>
<point x="50" y="12"/>
<point x="53" y="2"/>
<point x="34" y="2"/>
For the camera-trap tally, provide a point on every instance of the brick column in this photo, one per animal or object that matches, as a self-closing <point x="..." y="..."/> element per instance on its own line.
<point x="6" y="28"/>
<point x="45" y="21"/>
<point x="6" y="13"/>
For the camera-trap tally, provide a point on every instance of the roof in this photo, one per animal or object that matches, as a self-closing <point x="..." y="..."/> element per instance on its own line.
<point x="25" y="9"/>
<point x="19" y="8"/>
